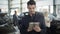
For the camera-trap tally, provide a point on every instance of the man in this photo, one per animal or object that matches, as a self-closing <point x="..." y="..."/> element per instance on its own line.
<point x="15" y="18"/>
<point x="32" y="16"/>
<point x="15" y="22"/>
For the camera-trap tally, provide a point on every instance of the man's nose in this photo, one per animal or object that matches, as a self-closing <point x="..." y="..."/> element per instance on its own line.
<point x="31" y="9"/>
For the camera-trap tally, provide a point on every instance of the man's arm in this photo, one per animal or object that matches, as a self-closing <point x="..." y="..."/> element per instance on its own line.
<point x="23" y="28"/>
<point x="43" y="30"/>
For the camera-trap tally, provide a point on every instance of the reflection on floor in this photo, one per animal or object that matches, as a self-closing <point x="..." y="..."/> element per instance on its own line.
<point x="17" y="30"/>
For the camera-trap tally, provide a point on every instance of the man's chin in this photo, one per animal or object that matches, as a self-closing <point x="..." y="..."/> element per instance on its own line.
<point x="32" y="12"/>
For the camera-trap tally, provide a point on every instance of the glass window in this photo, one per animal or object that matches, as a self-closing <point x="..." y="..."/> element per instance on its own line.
<point x="58" y="10"/>
<point x="24" y="1"/>
<point x="24" y="8"/>
<point x="15" y="6"/>
<point x="51" y="9"/>
<point x="24" y="5"/>
<point x="42" y="8"/>
<point x="4" y="5"/>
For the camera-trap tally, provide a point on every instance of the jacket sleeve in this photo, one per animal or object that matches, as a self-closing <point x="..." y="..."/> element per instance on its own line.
<point x="23" y="28"/>
<point x="43" y="27"/>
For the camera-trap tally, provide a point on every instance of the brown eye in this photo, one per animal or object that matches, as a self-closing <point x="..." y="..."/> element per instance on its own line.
<point x="32" y="8"/>
<point x="29" y="8"/>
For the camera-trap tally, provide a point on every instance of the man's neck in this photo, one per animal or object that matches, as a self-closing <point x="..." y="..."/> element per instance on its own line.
<point x="15" y="14"/>
<point x="31" y="13"/>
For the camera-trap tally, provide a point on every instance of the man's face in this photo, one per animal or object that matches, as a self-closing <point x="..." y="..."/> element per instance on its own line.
<point x="31" y="8"/>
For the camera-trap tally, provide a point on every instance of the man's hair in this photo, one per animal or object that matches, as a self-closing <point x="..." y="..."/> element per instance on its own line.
<point x="31" y="2"/>
<point x="15" y="11"/>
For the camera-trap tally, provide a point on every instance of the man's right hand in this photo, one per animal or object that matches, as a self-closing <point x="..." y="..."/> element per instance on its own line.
<point x="29" y="29"/>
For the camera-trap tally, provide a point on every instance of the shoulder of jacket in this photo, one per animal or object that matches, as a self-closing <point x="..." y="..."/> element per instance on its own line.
<point x="23" y="15"/>
<point x="39" y="13"/>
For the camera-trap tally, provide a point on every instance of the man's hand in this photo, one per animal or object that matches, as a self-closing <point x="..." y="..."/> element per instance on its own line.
<point x="37" y="29"/>
<point x="29" y="29"/>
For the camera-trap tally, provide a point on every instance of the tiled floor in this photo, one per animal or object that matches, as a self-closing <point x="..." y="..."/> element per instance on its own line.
<point x="17" y="30"/>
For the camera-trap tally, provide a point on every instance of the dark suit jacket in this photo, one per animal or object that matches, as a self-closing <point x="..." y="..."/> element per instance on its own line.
<point x="38" y="17"/>
<point x="15" y="19"/>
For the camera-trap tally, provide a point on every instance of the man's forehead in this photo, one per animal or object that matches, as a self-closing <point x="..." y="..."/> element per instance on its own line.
<point x="32" y="5"/>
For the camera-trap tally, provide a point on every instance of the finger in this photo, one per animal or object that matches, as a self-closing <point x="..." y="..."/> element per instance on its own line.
<point x="29" y="30"/>
<point x="37" y="27"/>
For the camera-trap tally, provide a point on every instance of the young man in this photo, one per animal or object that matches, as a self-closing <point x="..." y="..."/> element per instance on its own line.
<point x="15" y="18"/>
<point x="34" y="17"/>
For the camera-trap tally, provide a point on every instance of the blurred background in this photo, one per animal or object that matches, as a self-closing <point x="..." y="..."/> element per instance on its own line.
<point x="52" y="7"/>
